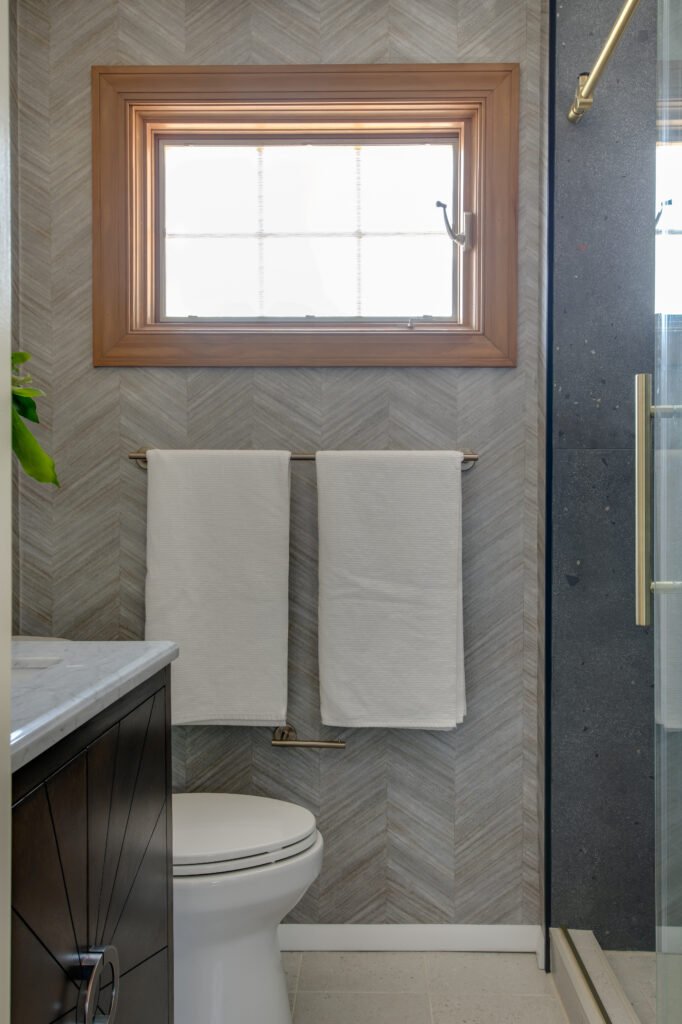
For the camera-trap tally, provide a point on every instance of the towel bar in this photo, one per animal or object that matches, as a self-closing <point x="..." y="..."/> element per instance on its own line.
<point x="140" y="457"/>
<point x="285" y="736"/>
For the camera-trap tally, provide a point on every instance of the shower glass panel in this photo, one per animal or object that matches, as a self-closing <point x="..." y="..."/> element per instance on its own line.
<point x="668" y="515"/>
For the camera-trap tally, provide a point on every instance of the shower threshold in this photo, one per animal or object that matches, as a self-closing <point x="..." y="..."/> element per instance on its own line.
<point x="592" y="983"/>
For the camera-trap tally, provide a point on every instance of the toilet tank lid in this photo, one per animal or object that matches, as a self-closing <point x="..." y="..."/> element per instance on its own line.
<point x="209" y="827"/>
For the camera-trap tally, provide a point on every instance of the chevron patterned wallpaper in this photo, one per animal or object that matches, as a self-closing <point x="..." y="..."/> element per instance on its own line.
<point x="419" y="827"/>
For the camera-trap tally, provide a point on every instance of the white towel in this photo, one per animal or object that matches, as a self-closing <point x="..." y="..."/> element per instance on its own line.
<point x="217" y="581"/>
<point x="390" y="629"/>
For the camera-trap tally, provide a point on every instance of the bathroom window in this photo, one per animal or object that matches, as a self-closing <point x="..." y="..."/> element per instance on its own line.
<point x="287" y="215"/>
<point x="309" y="230"/>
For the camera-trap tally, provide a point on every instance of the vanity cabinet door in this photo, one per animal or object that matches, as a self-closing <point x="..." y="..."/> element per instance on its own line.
<point x="91" y="868"/>
<point x="49" y="896"/>
<point x="127" y="879"/>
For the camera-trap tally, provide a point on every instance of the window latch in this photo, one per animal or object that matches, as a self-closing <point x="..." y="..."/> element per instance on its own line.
<point x="462" y="238"/>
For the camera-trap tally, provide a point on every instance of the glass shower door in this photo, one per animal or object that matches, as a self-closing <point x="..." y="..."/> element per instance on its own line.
<point x="667" y="523"/>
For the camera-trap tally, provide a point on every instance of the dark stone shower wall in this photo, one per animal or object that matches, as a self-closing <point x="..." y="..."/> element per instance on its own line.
<point x="602" y="763"/>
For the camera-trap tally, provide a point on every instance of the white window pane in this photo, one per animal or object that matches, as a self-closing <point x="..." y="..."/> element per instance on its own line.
<point x="400" y="186"/>
<point x="347" y="193"/>
<point x="668" y="241"/>
<point x="668" y="274"/>
<point x="309" y="188"/>
<point x="212" y="277"/>
<point x="211" y="189"/>
<point x="310" y="277"/>
<point x="407" y="276"/>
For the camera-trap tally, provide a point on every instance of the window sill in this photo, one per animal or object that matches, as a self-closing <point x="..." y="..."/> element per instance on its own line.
<point x="417" y="346"/>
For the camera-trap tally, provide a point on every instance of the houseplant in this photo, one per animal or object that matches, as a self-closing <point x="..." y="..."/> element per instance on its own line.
<point x="34" y="461"/>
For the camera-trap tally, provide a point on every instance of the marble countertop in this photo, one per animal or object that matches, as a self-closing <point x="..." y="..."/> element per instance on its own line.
<point x="58" y="685"/>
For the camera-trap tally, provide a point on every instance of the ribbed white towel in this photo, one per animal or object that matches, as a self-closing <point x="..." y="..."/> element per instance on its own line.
<point x="390" y="615"/>
<point x="217" y="581"/>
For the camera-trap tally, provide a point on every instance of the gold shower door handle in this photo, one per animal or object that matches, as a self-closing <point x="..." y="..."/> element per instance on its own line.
<point x="643" y="570"/>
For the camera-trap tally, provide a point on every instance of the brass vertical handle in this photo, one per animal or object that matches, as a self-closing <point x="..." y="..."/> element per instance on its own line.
<point x="643" y="572"/>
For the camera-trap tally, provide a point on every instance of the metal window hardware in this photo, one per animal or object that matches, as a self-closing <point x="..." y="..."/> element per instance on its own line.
<point x="666" y="202"/>
<point x="465" y="238"/>
<point x="645" y="585"/>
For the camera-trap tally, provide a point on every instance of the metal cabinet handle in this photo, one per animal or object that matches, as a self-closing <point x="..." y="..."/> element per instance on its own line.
<point x="643" y="573"/>
<point x="93" y="964"/>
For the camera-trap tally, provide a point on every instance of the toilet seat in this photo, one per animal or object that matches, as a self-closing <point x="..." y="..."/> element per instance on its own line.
<point x="214" y="833"/>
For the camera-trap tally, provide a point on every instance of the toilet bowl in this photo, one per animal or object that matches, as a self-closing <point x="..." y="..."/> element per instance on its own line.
<point x="240" y="864"/>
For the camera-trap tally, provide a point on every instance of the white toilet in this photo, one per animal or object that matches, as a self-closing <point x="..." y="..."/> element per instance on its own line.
<point x="240" y="864"/>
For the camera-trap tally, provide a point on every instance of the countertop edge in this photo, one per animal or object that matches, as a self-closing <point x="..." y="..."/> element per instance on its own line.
<point x="48" y="728"/>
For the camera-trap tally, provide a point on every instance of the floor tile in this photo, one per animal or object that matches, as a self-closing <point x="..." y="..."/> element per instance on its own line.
<point x="448" y="1008"/>
<point x="495" y="1008"/>
<point x="670" y="979"/>
<point x="474" y="973"/>
<point x="291" y="962"/>
<point x="641" y="967"/>
<point x="362" y="1008"/>
<point x="362" y="972"/>
<point x="532" y="1010"/>
<point x="636" y="973"/>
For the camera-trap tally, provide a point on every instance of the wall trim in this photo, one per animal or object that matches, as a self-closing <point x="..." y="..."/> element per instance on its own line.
<point x="6" y="468"/>
<point x="458" y="938"/>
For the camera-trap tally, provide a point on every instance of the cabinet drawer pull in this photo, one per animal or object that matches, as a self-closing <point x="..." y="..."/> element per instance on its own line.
<point x="93" y="964"/>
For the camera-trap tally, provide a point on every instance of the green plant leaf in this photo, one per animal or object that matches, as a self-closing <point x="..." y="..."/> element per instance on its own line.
<point x="20" y="357"/>
<point x="27" y="392"/>
<point x="26" y="407"/>
<point x="35" y="462"/>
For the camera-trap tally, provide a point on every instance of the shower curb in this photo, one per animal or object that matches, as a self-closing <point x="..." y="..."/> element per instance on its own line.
<point x="586" y="983"/>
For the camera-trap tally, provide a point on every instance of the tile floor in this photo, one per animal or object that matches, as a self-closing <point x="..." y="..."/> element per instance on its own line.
<point x="420" y="988"/>
<point x="636" y="973"/>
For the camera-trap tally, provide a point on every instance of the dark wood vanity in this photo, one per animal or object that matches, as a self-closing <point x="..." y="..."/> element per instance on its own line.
<point x="92" y="869"/>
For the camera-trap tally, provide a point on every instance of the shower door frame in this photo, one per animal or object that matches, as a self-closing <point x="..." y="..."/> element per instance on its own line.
<point x="667" y="598"/>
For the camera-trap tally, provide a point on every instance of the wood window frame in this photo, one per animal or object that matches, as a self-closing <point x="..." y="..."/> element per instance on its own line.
<point x="136" y="107"/>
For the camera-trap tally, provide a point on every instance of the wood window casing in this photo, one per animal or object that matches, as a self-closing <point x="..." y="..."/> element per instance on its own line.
<point x="137" y="109"/>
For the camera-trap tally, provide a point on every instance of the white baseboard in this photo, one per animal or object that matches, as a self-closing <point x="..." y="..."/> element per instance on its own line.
<point x="459" y="938"/>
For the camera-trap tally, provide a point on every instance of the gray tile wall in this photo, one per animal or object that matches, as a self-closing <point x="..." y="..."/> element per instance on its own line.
<point x="418" y="826"/>
<point x="602" y="664"/>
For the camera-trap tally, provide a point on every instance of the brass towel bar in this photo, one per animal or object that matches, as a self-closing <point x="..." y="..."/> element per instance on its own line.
<point x="285" y="736"/>
<point x="587" y="82"/>
<point x="140" y="457"/>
